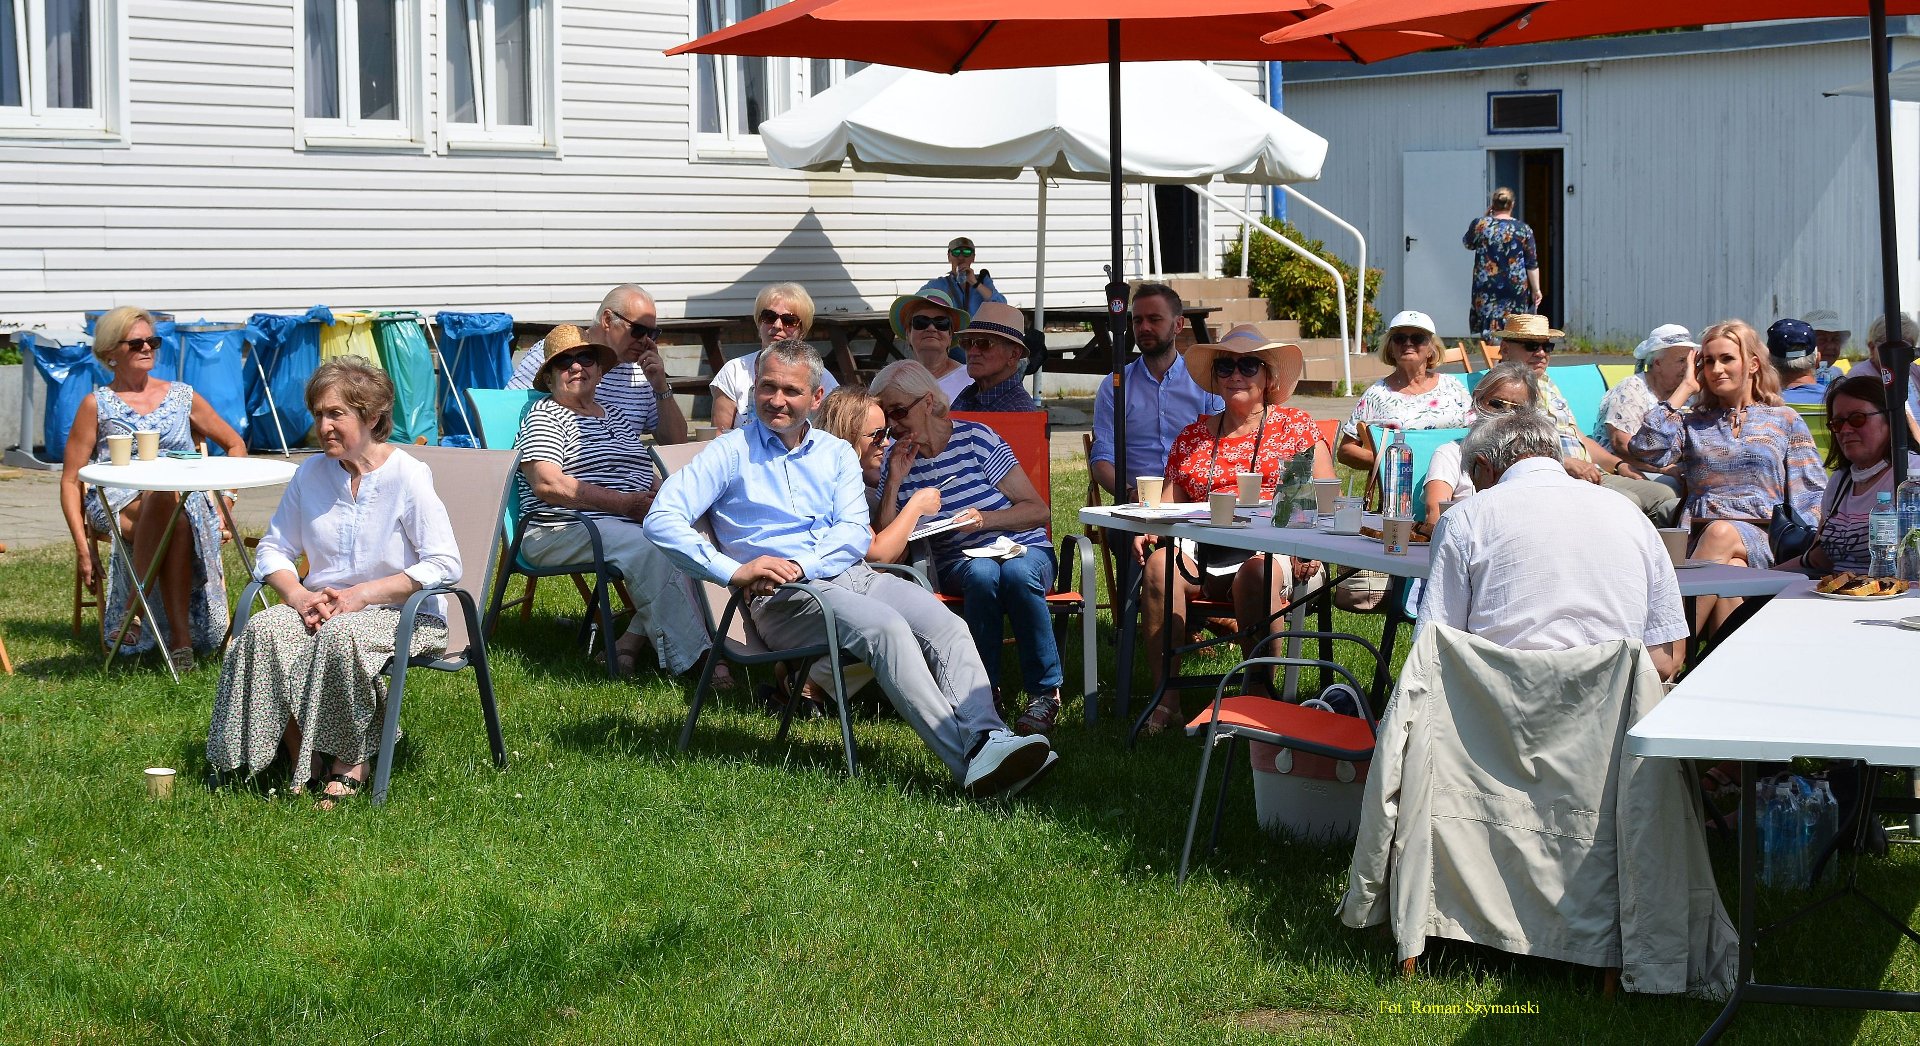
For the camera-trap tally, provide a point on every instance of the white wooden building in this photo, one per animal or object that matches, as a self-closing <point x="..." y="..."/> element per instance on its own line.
<point x="1682" y="177"/>
<point x="218" y="157"/>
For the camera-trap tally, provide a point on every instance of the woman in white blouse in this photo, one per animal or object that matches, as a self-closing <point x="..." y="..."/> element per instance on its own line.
<point x="1415" y="396"/>
<point x="305" y="673"/>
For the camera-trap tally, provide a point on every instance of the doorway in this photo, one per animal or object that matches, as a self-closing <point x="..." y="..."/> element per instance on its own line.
<point x="1538" y="180"/>
<point x="1177" y="213"/>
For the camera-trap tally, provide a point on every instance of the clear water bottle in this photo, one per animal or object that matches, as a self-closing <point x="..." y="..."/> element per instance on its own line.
<point x="1907" y="503"/>
<point x="1883" y="537"/>
<point x="1397" y="479"/>
<point x="1781" y="864"/>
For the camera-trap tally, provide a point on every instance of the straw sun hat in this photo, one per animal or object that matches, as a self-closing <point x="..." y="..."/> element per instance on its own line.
<point x="1000" y="321"/>
<point x="1527" y="326"/>
<point x="564" y="339"/>
<point x="1285" y="363"/>
<point x="936" y="298"/>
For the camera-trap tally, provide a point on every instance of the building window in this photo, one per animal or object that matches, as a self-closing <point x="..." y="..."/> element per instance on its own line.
<point x="498" y="62"/>
<point x="733" y="95"/>
<point x="59" y="68"/>
<point x="1523" y="112"/>
<point x="359" y="72"/>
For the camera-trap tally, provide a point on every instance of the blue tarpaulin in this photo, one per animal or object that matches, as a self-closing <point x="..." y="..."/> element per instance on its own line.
<point x="478" y="350"/>
<point x="166" y="362"/>
<point x="212" y="362"/>
<point x="70" y="371"/>
<point x="284" y="350"/>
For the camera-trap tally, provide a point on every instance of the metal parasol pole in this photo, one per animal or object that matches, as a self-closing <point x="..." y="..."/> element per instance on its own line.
<point x="1118" y="336"/>
<point x="1895" y="354"/>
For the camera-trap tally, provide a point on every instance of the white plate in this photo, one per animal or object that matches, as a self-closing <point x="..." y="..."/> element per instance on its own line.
<point x="1858" y="599"/>
<point x="1329" y="531"/>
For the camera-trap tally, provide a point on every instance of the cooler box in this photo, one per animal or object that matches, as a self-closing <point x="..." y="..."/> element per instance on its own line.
<point x="1306" y="795"/>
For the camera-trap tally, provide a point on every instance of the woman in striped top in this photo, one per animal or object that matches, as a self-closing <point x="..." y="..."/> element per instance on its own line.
<point x="983" y="488"/>
<point x="580" y="454"/>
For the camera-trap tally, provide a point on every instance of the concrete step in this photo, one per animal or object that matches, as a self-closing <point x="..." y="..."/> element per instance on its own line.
<point x="1235" y="311"/>
<point x="1193" y="288"/>
<point x="1324" y="370"/>
<point x="1280" y="330"/>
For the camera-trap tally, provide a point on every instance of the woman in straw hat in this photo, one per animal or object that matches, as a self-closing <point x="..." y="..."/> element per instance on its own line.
<point x="1414" y="396"/>
<point x="1254" y="433"/>
<point x="1740" y="451"/>
<point x="928" y="321"/>
<point x="585" y="457"/>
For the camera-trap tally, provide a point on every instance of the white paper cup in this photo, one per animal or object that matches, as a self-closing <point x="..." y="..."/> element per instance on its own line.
<point x="1220" y="506"/>
<point x="120" y="448"/>
<point x="1395" y="533"/>
<point x="1325" y="493"/>
<point x="160" y="782"/>
<point x="146" y="445"/>
<point x="706" y="432"/>
<point x="1675" y="538"/>
<point x="1150" y="489"/>
<point x="1249" y="486"/>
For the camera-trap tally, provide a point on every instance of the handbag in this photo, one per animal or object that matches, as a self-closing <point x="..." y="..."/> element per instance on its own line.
<point x="1789" y="536"/>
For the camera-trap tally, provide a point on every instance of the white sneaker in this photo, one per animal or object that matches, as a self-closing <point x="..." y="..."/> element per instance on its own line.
<point x="1006" y="760"/>
<point x="1026" y="782"/>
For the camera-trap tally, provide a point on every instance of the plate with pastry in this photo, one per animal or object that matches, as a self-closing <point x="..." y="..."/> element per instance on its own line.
<point x="1859" y="588"/>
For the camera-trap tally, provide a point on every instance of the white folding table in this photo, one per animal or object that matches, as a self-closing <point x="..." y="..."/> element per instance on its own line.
<point x="180" y="476"/>
<point x="1773" y="690"/>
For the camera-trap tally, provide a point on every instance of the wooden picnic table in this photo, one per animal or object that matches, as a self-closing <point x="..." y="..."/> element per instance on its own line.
<point x="1095" y="357"/>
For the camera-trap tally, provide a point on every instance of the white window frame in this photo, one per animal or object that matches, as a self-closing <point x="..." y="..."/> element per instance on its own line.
<point x="349" y="130"/>
<point x="488" y="135"/>
<point x="730" y="143"/>
<point x="103" y="122"/>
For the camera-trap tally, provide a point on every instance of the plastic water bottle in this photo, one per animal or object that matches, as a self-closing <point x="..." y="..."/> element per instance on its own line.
<point x="1883" y="537"/>
<point x="1397" y="480"/>
<point x="1907" y="501"/>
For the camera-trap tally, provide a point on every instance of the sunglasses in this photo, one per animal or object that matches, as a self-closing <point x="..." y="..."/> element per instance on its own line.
<point x="1409" y="338"/>
<point x="133" y="344"/>
<point x="784" y="319"/>
<point x="639" y="331"/>
<point x="962" y="252"/>
<point x="1248" y="366"/>
<point x="1536" y="346"/>
<point x="939" y="323"/>
<point x="876" y="435"/>
<point x="899" y="413"/>
<point x="569" y="360"/>
<point x="976" y="341"/>
<point x="1855" y="420"/>
<point x="1499" y="404"/>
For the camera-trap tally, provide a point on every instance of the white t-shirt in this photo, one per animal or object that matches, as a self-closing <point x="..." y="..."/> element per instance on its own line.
<point x="1445" y="467"/>
<point x="735" y="380"/>
<point x="954" y="383"/>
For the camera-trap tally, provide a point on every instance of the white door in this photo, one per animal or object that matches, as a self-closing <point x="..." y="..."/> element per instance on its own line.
<point x="1440" y="193"/>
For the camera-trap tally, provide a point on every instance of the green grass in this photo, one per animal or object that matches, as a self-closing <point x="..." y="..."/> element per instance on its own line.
<point x="605" y="888"/>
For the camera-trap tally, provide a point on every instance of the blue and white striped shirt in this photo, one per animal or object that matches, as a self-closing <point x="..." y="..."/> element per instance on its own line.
<point x="968" y="473"/>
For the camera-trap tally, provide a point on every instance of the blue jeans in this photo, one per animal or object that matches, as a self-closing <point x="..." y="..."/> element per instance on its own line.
<point x="1014" y="589"/>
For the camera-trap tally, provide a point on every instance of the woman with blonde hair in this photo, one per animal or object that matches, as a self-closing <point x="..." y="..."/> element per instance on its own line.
<point x="1740" y="452"/>
<point x="193" y="589"/>
<point x="782" y="310"/>
<point x="1415" y="396"/>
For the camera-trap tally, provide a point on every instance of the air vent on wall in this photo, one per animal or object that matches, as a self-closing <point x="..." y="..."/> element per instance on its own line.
<point x="1523" y="112"/>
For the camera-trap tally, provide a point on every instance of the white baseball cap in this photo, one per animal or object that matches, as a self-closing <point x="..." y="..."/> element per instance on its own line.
<point x="1416" y="320"/>
<point x="1825" y="320"/>
<point x="1662" y="338"/>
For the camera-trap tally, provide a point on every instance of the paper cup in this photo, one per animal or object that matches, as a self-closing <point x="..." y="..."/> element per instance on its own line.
<point x="1150" y="489"/>
<point x="1675" y="538"/>
<point x="1325" y="493"/>
<point x="1395" y="533"/>
<point x="1249" y="484"/>
<point x="160" y="782"/>
<point x="120" y="448"/>
<point x="706" y="432"/>
<point x="146" y="445"/>
<point x="1220" y="507"/>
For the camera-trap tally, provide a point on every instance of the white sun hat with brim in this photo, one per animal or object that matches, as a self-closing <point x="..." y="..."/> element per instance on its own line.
<point x="1662" y="338"/>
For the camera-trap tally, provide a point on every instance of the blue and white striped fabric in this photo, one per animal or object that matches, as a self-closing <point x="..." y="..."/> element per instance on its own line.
<point x="968" y="474"/>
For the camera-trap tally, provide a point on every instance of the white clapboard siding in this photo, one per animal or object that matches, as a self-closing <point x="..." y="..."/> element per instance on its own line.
<point x="1704" y="186"/>
<point x="210" y="207"/>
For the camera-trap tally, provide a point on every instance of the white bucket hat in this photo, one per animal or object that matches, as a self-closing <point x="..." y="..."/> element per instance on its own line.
<point x="1825" y="320"/>
<point x="1662" y="338"/>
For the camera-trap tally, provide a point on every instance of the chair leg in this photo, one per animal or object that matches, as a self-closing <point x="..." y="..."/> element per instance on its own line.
<point x="1220" y="801"/>
<point x="389" y="729"/>
<point x="6" y="663"/>
<point x="699" y="697"/>
<point x="1193" y="815"/>
<point x="483" y="679"/>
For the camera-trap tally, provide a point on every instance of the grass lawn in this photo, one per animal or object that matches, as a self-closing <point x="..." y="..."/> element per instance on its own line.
<point x="605" y="888"/>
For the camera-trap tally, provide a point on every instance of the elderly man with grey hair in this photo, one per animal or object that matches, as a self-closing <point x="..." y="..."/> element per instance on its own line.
<point x="628" y="323"/>
<point x="1538" y="560"/>
<point x="786" y="502"/>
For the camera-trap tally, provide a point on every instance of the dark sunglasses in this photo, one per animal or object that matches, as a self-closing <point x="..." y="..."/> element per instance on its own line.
<point x="1409" y="337"/>
<point x="975" y="341"/>
<point x="962" y="252"/>
<point x="877" y="434"/>
<point x="637" y="330"/>
<point x="150" y="342"/>
<point x="1855" y="420"/>
<point x="784" y="319"/>
<point x="1498" y="404"/>
<point x="899" y="414"/>
<point x="939" y="323"/>
<point x="1536" y="346"/>
<point x="566" y="360"/>
<point x="1248" y="366"/>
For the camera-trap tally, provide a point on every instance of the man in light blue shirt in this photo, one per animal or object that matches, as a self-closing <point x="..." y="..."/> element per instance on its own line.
<point x="786" y="503"/>
<point x="1162" y="397"/>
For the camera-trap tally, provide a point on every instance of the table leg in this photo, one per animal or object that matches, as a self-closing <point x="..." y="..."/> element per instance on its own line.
<point x="1749" y="871"/>
<point x="1396" y="615"/>
<point x="117" y="549"/>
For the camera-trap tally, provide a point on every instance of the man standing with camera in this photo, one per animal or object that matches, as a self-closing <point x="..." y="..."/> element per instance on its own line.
<point x="966" y="287"/>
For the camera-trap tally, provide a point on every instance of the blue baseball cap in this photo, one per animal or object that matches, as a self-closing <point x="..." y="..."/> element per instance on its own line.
<point x="1790" y="340"/>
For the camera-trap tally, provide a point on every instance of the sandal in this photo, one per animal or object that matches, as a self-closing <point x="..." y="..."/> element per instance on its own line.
<point x="1162" y="716"/>
<point x="181" y="658"/>
<point x="328" y="800"/>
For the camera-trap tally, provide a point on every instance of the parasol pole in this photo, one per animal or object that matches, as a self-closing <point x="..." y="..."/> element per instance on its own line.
<point x="1118" y="338"/>
<point x="1895" y="354"/>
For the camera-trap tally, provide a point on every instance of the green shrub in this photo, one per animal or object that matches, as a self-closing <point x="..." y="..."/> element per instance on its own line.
<point x="1297" y="288"/>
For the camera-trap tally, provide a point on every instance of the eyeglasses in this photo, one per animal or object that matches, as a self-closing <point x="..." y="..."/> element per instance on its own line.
<point x="1545" y="347"/>
<point x="133" y="344"/>
<point x="898" y="414"/>
<point x="975" y="341"/>
<point x="939" y="323"/>
<point x="1248" y="366"/>
<point x="569" y="360"/>
<point x="635" y="328"/>
<point x="962" y="252"/>
<point x="1855" y="420"/>
<point x="1409" y="337"/>
<point x="876" y="435"/>
<point x="784" y="319"/>
<point x="1498" y="404"/>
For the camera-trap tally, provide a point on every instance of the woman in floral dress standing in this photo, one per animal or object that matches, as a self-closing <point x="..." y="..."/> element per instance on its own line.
<point x="1506" y="265"/>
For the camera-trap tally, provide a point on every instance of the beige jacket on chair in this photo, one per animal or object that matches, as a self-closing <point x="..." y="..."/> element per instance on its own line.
<point x="1502" y="810"/>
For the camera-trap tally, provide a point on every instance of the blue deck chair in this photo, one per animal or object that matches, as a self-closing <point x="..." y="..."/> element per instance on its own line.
<point x="1472" y="379"/>
<point x="498" y="412"/>
<point x="1584" y="387"/>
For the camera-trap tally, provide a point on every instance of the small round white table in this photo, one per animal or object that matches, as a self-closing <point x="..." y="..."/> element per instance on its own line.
<point x="179" y="476"/>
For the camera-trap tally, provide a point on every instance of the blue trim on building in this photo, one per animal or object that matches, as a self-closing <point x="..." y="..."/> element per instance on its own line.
<point x="1656" y="45"/>
<point x="1276" y="81"/>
